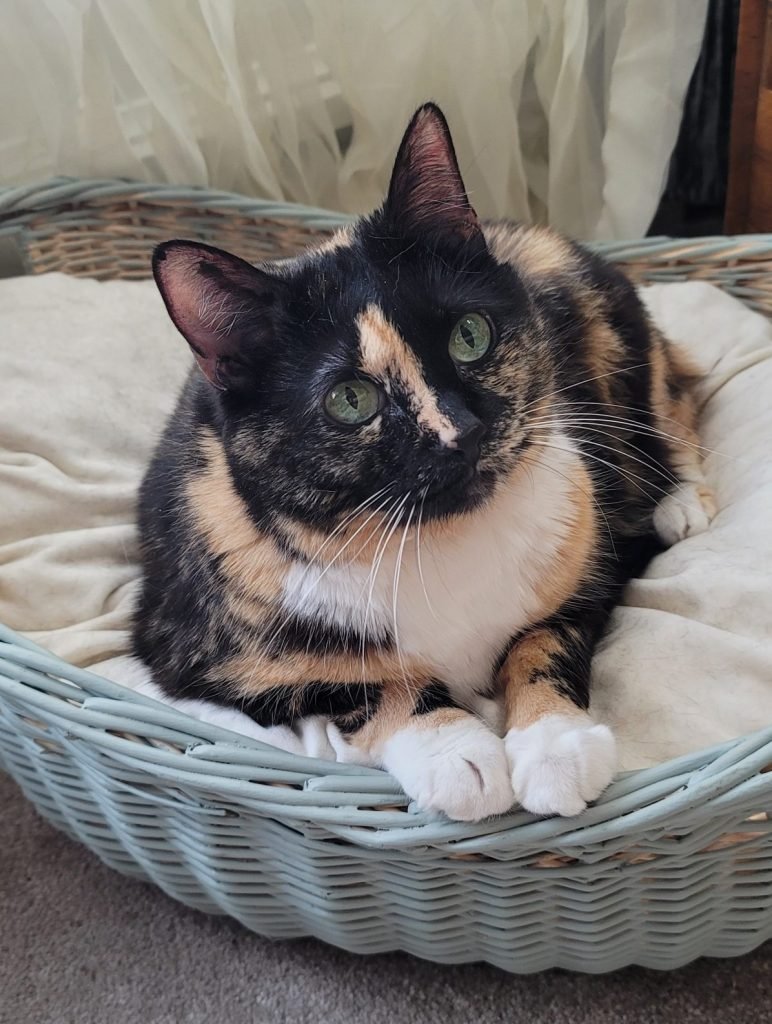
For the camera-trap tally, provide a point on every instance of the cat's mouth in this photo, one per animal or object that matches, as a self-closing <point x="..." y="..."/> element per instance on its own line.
<point x="459" y="495"/>
<point x="456" y="483"/>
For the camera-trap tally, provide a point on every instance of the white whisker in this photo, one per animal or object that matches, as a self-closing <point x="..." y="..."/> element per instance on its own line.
<point x="379" y="555"/>
<point x="395" y="593"/>
<point x="579" y="383"/>
<point x="418" y="556"/>
<point x="632" y="478"/>
<point x="648" y="462"/>
<point x="309" y="590"/>
<point x="391" y="515"/>
<point x="645" y="429"/>
<point x="587" y="494"/>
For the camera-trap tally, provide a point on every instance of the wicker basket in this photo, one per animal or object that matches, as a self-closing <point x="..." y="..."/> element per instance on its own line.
<point x="671" y="863"/>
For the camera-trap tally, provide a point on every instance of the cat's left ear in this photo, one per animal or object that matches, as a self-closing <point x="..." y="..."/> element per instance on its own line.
<point x="427" y="194"/>
<point x="222" y="305"/>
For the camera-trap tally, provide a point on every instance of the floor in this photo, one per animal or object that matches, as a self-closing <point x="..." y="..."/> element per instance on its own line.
<point x="80" y="944"/>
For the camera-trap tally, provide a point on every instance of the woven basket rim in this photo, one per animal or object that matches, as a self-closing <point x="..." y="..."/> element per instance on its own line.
<point x="20" y="202"/>
<point x="350" y="801"/>
<point x="363" y="805"/>
<point x="52" y="193"/>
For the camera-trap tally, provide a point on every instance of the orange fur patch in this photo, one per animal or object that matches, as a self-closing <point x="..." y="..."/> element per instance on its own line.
<point x="604" y="353"/>
<point x="385" y="356"/>
<point x="340" y="240"/>
<point x="673" y="377"/>
<point x="252" y="673"/>
<point x="568" y="568"/>
<point x="356" y="542"/>
<point x="304" y="539"/>
<point x="536" y="251"/>
<point x="526" y="702"/>
<point x="249" y="558"/>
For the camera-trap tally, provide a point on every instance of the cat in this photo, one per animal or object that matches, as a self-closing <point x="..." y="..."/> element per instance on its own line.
<point x="405" y="484"/>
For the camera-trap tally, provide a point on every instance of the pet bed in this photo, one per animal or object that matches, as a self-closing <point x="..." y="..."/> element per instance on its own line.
<point x="673" y="862"/>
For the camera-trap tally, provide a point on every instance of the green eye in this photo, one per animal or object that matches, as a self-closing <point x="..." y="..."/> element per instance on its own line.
<point x="470" y="339"/>
<point x="353" y="401"/>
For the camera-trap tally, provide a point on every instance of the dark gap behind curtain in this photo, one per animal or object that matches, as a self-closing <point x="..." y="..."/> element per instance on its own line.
<point x="694" y="197"/>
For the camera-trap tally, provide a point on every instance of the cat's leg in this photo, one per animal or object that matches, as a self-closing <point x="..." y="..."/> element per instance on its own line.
<point x="689" y="508"/>
<point x="560" y="759"/>
<point x="444" y="757"/>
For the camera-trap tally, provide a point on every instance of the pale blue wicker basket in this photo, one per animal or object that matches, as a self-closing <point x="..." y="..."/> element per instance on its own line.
<point x="672" y="863"/>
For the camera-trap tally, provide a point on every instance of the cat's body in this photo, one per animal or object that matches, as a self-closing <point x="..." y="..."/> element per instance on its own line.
<point x="463" y="541"/>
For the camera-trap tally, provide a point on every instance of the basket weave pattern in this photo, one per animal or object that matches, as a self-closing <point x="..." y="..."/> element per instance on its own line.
<point x="671" y="863"/>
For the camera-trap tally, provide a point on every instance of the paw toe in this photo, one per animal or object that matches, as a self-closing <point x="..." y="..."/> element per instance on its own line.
<point x="686" y="512"/>
<point x="560" y="763"/>
<point x="460" y="770"/>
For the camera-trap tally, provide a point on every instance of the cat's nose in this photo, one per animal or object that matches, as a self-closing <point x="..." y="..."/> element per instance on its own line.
<point x="469" y="438"/>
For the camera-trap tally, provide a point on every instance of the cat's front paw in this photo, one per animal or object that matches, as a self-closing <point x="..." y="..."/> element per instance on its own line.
<point x="460" y="769"/>
<point x="686" y="512"/>
<point x="560" y="763"/>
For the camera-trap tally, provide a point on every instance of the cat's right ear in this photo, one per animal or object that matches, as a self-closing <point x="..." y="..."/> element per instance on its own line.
<point x="426" y="193"/>
<point x="221" y="305"/>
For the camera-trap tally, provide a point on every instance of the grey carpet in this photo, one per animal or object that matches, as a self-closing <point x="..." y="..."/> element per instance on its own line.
<point x="80" y="944"/>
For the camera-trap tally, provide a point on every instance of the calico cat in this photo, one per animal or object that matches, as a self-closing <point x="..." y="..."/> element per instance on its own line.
<point x="405" y="485"/>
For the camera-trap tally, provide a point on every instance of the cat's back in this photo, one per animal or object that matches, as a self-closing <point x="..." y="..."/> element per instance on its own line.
<point x="551" y="264"/>
<point x="175" y="459"/>
<point x="179" y="587"/>
<point x="595" y="323"/>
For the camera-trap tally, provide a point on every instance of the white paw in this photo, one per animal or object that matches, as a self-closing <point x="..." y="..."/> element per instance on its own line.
<point x="560" y="763"/>
<point x="684" y="513"/>
<point x="460" y="769"/>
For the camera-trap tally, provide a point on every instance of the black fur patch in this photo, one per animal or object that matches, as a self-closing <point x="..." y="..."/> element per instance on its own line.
<point x="349" y="705"/>
<point x="433" y="696"/>
<point x="288" y="634"/>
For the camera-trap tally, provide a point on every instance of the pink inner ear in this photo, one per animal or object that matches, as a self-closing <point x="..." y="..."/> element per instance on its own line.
<point x="192" y="305"/>
<point x="431" y="151"/>
<point x="426" y="188"/>
<point x="207" y="292"/>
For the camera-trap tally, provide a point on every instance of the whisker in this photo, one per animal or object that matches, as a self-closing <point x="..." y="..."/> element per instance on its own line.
<point x="585" y="492"/>
<point x="641" y="428"/>
<point x="649" y="462"/>
<point x="581" y="404"/>
<point x="418" y="555"/>
<point x="307" y="591"/>
<point x="348" y="519"/>
<point x="392" y="526"/>
<point x="380" y="550"/>
<point x="395" y="594"/>
<point x="352" y="538"/>
<point x="632" y="478"/>
<point x="579" y="383"/>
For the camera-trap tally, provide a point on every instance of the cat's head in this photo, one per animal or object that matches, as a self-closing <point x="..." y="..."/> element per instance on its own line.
<point x="393" y="363"/>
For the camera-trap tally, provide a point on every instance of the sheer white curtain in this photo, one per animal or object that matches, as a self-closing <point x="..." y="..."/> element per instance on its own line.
<point x="563" y="111"/>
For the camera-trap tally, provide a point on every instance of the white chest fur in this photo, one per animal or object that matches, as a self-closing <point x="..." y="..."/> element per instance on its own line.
<point x="477" y="583"/>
